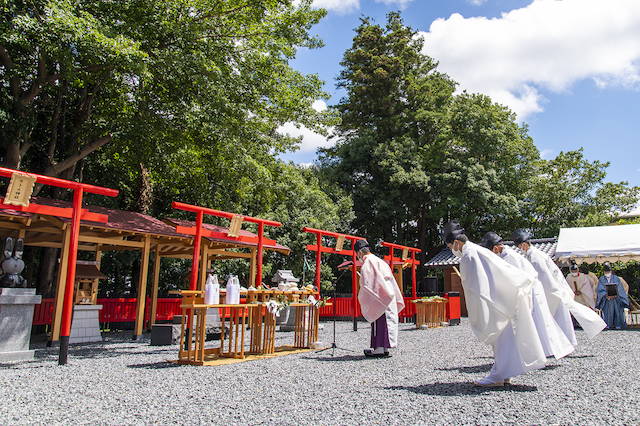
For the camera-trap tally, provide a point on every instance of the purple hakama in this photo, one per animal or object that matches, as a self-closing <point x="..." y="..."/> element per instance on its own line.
<point x="380" y="333"/>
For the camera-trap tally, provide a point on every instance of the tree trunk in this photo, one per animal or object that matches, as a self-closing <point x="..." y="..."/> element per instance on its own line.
<point x="12" y="155"/>
<point x="47" y="269"/>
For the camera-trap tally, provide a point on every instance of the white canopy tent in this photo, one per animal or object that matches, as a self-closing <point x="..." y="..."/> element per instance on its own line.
<point x="599" y="244"/>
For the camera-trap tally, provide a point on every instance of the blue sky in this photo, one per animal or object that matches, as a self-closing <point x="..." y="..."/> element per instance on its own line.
<point x="569" y="68"/>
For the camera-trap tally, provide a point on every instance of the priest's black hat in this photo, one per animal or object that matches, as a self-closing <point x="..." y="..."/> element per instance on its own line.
<point x="451" y="230"/>
<point x="607" y="267"/>
<point x="521" y="236"/>
<point x="490" y="240"/>
<point x="360" y="244"/>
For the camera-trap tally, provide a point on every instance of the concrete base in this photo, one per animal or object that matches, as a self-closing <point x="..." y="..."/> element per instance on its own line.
<point x="17" y="356"/>
<point x="16" y="318"/>
<point x="85" y="327"/>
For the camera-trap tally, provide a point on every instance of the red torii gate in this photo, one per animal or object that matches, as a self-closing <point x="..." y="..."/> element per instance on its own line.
<point x="319" y="249"/>
<point x="408" y="256"/>
<point x="76" y="213"/>
<point x="233" y="234"/>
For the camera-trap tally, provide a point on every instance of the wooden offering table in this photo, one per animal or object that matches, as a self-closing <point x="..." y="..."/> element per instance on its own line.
<point x="193" y="349"/>
<point x="430" y="312"/>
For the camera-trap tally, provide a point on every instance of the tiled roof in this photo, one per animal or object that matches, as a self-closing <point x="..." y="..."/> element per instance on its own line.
<point x="121" y="220"/>
<point x="446" y="259"/>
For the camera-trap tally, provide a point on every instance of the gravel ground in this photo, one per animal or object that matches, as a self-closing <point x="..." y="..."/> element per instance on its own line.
<point x="427" y="381"/>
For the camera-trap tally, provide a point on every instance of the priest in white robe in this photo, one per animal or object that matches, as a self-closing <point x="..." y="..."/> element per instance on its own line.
<point x="559" y="294"/>
<point x="498" y="298"/>
<point x="553" y="340"/>
<point x="582" y="287"/>
<point x="380" y="301"/>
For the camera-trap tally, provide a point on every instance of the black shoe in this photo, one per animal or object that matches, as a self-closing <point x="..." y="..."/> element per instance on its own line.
<point x="369" y="353"/>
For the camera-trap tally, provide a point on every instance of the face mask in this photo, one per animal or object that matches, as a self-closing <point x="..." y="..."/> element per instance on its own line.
<point x="457" y="253"/>
<point x="607" y="274"/>
<point x="575" y="274"/>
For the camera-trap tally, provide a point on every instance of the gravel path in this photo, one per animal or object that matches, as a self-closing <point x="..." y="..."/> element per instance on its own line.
<point x="425" y="382"/>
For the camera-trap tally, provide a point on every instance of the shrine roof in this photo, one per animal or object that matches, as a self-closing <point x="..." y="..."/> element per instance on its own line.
<point x="140" y="223"/>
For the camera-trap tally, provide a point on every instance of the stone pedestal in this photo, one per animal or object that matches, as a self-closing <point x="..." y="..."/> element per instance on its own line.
<point x="85" y="327"/>
<point x="289" y="319"/>
<point x="16" y="318"/>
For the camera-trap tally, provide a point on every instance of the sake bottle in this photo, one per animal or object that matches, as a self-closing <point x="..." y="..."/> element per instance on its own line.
<point x="212" y="290"/>
<point x="233" y="291"/>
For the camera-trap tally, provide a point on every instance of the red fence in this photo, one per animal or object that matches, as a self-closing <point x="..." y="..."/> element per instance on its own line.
<point x="124" y="310"/>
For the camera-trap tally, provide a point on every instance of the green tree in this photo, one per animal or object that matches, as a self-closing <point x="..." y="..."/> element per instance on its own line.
<point x="149" y="77"/>
<point x="570" y="190"/>
<point x="412" y="153"/>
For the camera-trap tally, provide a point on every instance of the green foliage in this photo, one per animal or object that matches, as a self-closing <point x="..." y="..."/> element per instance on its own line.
<point x="155" y="80"/>
<point x="572" y="191"/>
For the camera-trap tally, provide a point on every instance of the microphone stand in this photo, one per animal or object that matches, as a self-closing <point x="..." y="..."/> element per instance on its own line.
<point x="333" y="344"/>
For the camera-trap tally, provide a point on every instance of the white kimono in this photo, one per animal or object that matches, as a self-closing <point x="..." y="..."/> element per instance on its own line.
<point x="498" y="298"/>
<point x="379" y="294"/>
<point x="553" y="340"/>
<point x="560" y="298"/>
<point x="584" y="285"/>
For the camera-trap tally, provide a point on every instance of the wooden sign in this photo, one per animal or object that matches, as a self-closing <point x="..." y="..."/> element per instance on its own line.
<point x="340" y="243"/>
<point x="20" y="190"/>
<point x="234" y="226"/>
<point x="405" y="254"/>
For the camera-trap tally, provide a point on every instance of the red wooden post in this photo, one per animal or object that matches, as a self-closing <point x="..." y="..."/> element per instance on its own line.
<point x="354" y="285"/>
<point x="318" y="260"/>
<point x="67" y="307"/>
<point x="259" y="254"/>
<point x="414" y="280"/>
<point x="195" y="259"/>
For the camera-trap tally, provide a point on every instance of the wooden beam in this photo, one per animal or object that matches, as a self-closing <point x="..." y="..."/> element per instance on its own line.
<point x="234" y="254"/>
<point x="11" y="225"/>
<point x="54" y="220"/>
<point x="113" y="241"/>
<point x="142" y="287"/>
<point x="252" y="268"/>
<point x="62" y="278"/>
<point x="45" y="229"/>
<point x="154" y="286"/>
<point x="203" y="266"/>
<point x="98" y="263"/>
<point x="177" y="256"/>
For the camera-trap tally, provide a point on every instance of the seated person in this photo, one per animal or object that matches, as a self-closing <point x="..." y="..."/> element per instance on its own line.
<point x="612" y="299"/>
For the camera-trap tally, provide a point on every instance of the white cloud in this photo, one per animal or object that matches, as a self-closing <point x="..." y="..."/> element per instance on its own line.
<point x="345" y="6"/>
<point x="546" y="154"/>
<point x="477" y="2"/>
<point x="319" y="105"/>
<point x="311" y="140"/>
<point x="342" y="6"/>
<point x="400" y="3"/>
<point x="548" y="44"/>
